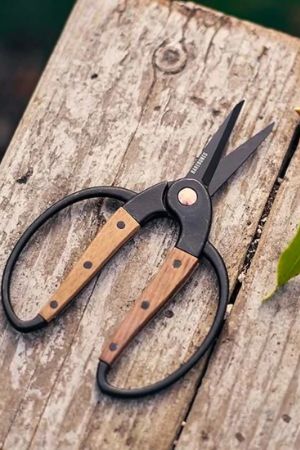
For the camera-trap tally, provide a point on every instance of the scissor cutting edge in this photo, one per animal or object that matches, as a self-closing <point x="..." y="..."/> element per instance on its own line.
<point x="188" y="201"/>
<point x="213" y="170"/>
<point x="205" y="166"/>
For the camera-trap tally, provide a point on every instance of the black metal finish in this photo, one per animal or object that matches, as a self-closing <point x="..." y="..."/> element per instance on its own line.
<point x="148" y="204"/>
<point x="38" y="322"/>
<point x="208" y="161"/>
<point x="194" y="220"/>
<point x="230" y="163"/>
<point x="213" y="256"/>
<point x="207" y="175"/>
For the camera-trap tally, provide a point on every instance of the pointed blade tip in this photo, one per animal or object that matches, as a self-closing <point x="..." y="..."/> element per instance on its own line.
<point x="256" y="141"/>
<point x="239" y="106"/>
<point x="204" y="168"/>
<point x="262" y="134"/>
<point x="269" y="128"/>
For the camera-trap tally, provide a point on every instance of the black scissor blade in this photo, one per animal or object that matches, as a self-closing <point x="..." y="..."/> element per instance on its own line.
<point x="230" y="163"/>
<point x="205" y="166"/>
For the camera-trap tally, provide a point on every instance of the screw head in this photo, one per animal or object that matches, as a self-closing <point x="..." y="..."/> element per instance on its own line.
<point x="113" y="346"/>
<point x="121" y="224"/>
<point x="53" y="304"/>
<point x="187" y="196"/>
<point x="176" y="263"/>
<point x="87" y="264"/>
<point x="145" y="304"/>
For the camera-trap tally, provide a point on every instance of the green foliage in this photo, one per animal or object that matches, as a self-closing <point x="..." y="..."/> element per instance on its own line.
<point x="288" y="265"/>
<point x="40" y="22"/>
<point x="289" y="262"/>
<point x="282" y="15"/>
<point x="33" y="22"/>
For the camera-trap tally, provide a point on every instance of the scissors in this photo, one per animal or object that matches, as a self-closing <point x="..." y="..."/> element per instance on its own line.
<point x="188" y="201"/>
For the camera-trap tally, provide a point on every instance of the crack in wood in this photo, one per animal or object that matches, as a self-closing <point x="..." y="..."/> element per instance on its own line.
<point x="293" y="145"/>
<point x="198" y="385"/>
<point x="70" y="412"/>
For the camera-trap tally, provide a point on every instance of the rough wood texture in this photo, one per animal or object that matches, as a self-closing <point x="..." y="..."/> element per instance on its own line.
<point x="107" y="242"/>
<point x="250" y="398"/>
<point x="173" y="273"/>
<point x="131" y="94"/>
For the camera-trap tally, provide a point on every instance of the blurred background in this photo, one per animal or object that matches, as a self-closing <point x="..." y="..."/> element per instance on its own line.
<point x="29" y="30"/>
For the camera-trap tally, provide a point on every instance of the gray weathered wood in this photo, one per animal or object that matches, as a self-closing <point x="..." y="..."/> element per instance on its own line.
<point x="250" y="398"/>
<point x="167" y="73"/>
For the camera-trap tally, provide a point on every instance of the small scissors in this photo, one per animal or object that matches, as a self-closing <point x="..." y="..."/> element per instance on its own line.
<point x="188" y="201"/>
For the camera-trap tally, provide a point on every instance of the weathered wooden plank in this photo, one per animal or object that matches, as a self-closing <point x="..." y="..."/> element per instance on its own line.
<point x="251" y="396"/>
<point x="130" y="95"/>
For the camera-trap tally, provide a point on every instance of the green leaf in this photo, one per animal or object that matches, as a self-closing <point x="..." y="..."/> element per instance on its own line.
<point x="288" y="265"/>
<point x="289" y="261"/>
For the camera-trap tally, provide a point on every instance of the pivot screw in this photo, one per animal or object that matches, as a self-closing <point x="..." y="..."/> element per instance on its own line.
<point x="187" y="196"/>
<point x="53" y="304"/>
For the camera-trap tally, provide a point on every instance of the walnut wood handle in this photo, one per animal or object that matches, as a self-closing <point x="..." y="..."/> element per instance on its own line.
<point x="174" y="272"/>
<point x="117" y="230"/>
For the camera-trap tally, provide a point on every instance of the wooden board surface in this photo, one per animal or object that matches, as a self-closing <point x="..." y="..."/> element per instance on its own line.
<point x="250" y="397"/>
<point x="129" y="97"/>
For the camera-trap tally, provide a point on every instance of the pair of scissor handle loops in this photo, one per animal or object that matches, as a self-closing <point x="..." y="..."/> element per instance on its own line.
<point x="124" y="195"/>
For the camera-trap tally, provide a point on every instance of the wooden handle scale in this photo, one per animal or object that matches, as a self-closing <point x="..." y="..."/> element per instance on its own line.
<point x="175" y="270"/>
<point x="117" y="230"/>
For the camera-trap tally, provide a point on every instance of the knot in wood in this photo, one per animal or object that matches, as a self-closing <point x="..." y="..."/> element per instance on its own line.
<point x="170" y="58"/>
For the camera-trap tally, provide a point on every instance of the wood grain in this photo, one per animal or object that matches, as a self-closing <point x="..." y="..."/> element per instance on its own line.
<point x="250" y="397"/>
<point x="130" y="96"/>
<point x="117" y="230"/>
<point x="174" y="272"/>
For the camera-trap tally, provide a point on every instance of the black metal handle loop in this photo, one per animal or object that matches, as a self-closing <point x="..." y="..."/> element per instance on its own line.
<point x="213" y="256"/>
<point x="38" y="321"/>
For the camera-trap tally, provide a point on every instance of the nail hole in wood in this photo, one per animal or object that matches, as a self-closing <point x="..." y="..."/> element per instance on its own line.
<point x="121" y="224"/>
<point x="87" y="264"/>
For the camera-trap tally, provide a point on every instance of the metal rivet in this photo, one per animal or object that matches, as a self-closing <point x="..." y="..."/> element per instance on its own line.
<point x="187" y="196"/>
<point x="121" y="224"/>
<point x="53" y="304"/>
<point x="87" y="264"/>
<point x="145" y="304"/>
<point x="176" y="263"/>
<point x="113" y="346"/>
